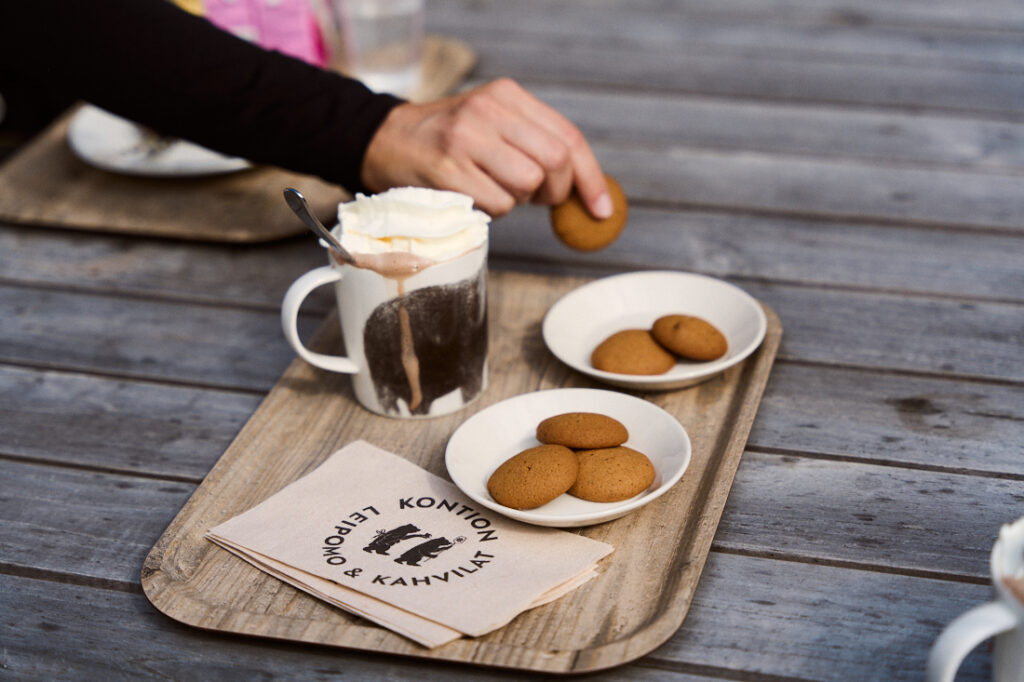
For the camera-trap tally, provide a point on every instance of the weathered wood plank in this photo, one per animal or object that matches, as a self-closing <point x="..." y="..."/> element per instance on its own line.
<point x="783" y="77"/>
<point x="54" y="631"/>
<point x="857" y="34"/>
<point x="81" y="523"/>
<point x="254" y="276"/>
<point x="135" y="427"/>
<point x="1004" y="15"/>
<point x="843" y="190"/>
<point x="820" y="623"/>
<point x="230" y="348"/>
<point x="750" y="616"/>
<point x="891" y="418"/>
<point x="981" y="340"/>
<point x="777" y="127"/>
<point x="913" y="259"/>
<point x="251" y="275"/>
<point x="889" y="258"/>
<point x="880" y="516"/>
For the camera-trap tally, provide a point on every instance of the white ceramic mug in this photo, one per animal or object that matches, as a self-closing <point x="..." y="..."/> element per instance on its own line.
<point x="1002" y="618"/>
<point x="417" y="345"/>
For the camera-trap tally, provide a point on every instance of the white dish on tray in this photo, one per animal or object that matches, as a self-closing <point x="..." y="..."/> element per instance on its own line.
<point x="586" y="316"/>
<point x="118" y="145"/>
<point x="504" y="429"/>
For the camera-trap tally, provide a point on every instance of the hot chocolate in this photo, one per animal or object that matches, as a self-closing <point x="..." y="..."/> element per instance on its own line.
<point x="428" y="344"/>
<point x="424" y="344"/>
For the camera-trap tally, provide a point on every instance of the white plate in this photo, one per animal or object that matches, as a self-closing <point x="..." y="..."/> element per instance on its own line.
<point x="586" y="316"/>
<point x="118" y="145"/>
<point x="504" y="429"/>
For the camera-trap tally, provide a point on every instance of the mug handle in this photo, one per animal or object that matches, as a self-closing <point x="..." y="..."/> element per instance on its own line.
<point x="964" y="633"/>
<point x="293" y="298"/>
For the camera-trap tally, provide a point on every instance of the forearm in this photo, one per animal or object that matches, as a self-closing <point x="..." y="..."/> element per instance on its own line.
<point x="155" y="64"/>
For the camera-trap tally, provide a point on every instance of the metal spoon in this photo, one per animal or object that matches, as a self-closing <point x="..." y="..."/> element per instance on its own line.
<point x="297" y="203"/>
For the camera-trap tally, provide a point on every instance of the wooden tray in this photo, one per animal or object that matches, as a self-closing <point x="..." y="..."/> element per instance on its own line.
<point x="46" y="185"/>
<point x="644" y="589"/>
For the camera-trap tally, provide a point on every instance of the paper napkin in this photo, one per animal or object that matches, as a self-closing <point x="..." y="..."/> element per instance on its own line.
<point x="378" y="536"/>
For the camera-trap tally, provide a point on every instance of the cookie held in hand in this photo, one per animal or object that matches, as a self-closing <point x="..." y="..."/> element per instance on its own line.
<point x="582" y="431"/>
<point x="632" y="351"/>
<point x="577" y="229"/>
<point x="534" y="477"/>
<point x="690" y="337"/>
<point x="612" y="474"/>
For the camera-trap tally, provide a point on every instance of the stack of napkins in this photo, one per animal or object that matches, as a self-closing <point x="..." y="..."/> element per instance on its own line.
<point x="376" y="535"/>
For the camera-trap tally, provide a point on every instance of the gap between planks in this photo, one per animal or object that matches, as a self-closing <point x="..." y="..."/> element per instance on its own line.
<point x="853" y="459"/>
<point x="852" y="565"/>
<point x="652" y="662"/>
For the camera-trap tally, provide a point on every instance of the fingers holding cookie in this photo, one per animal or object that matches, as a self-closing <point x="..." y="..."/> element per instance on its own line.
<point x="575" y="227"/>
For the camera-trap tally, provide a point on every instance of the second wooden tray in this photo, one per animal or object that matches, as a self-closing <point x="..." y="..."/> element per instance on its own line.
<point x="44" y="184"/>
<point x="644" y="589"/>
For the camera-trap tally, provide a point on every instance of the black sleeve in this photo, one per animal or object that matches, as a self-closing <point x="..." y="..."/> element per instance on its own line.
<point x="149" y="61"/>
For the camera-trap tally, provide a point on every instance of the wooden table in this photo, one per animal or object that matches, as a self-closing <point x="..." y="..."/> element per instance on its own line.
<point x="857" y="166"/>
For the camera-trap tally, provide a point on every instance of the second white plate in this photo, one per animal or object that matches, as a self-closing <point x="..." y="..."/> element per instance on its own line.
<point x="498" y="432"/>
<point x="115" y="144"/>
<point x="584" y="317"/>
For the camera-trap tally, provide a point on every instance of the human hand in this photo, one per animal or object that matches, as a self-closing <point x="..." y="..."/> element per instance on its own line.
<point x="497" y="143"/>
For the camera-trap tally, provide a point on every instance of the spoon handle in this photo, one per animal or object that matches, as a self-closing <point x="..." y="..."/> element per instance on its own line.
<point x="298" y="204"/>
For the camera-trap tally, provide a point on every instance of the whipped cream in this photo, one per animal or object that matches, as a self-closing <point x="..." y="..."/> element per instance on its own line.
<point x="429" y="224"/>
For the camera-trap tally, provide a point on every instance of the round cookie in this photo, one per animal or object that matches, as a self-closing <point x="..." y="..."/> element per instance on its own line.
<point x="690" y="337"/>
<point x="534" y="477"/>
<point x="577" y="229"/>
<point x="632" y="351"/>
<point x="582" y="431"/>
<point x="612" y="474"/>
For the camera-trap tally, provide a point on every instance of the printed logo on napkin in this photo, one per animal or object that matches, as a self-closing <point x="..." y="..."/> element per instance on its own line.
<point x="375" y="523"/>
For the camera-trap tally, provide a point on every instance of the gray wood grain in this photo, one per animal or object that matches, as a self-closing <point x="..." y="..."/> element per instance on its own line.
<point x="961" y="264"/>
<point x="750" y="616"/>
<point x="826" y="79"/>
<point x="106" y="635"/>
<point x="252" y="275"/>
<point x="130" y="426"/>
<point x="883" y="417"/>
<point x="773" y="184"/>
<point x="834" y="132"/>
<point x="963" y="339"/>
<point x="84" y="524"/>
<point x="180" y="432"/>
<point x="820" y="623"/>
<point x="866" y="15"/>
<point x="862" y="514"/>
<point x="231" y="348"/>
<point x="858" y="33"/>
